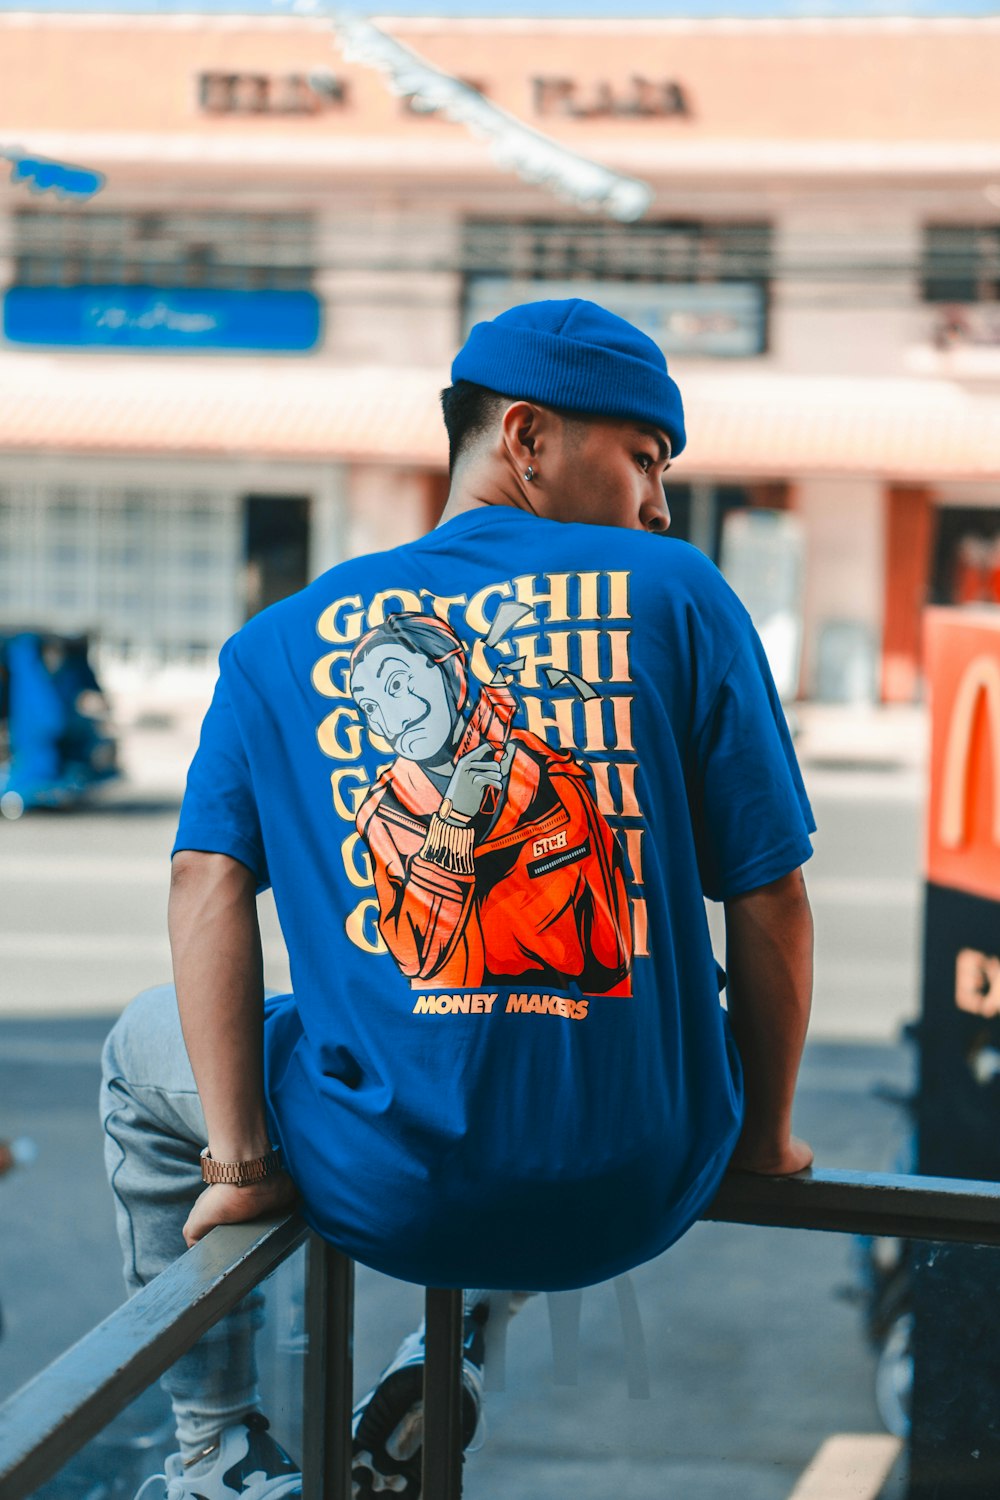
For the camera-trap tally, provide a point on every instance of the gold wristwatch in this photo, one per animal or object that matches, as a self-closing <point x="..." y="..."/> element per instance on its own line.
<point x="447" y="813"/>
<point x="241" y="1173"/>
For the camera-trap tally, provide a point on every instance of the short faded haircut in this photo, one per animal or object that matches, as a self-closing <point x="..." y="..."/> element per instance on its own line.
<point x="471" y="413"/>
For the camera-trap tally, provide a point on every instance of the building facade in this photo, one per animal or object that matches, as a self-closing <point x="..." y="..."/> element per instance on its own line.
<point x="219" y="373"/>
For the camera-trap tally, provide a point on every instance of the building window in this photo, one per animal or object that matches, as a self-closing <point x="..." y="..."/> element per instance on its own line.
<point x="118" y="562"/>
<point x="961" y="263"/>
<point x="72" y="246"/>
<point x="671" y="250"/>
<point x="697" y="288"/>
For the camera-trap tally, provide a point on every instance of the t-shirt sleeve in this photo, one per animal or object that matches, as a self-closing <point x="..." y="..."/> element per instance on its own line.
<point x="219" y="812"/>
<point x="752" y="818"/>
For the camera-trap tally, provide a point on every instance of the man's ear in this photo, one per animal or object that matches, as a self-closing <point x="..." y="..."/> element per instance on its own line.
<point x="524" y="430"/>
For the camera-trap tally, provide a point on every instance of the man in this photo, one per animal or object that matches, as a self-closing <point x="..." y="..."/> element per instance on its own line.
<point x="542" y="1092"/>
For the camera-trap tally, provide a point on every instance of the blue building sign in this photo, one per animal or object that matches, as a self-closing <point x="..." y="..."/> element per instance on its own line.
<point x="43" y="175"/>
<point x="144" y="317"/>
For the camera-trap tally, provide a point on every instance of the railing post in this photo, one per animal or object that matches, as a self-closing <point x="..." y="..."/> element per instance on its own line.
<point x="328" y="1377"/>
<point x="442" y="1452"/>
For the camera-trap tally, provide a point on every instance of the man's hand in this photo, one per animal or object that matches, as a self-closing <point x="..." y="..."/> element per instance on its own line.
<point x="475" y="772"/>
<point x="223" y="1204"/>
<point x="772" y="1161"/>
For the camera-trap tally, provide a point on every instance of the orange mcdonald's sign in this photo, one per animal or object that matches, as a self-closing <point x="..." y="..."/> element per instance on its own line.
<point x="963" y="824"/>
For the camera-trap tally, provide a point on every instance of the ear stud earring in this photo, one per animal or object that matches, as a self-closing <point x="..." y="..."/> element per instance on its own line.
<point x="529" y="473"/>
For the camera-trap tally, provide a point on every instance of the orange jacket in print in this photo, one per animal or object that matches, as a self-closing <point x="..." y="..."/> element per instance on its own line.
<point x="541" y="899"/>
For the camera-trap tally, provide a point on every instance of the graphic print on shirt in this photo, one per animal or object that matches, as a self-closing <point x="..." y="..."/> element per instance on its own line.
<point x="488" y="837"/>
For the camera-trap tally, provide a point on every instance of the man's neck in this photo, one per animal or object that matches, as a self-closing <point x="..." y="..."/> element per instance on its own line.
<point x="479" y="487"/>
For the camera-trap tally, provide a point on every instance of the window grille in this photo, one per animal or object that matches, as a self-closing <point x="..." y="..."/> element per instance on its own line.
<point x="154" y="573"/>
<point x="961" y="263"/>
<point x="74" y="246"/>
<point x="674" y="251"/>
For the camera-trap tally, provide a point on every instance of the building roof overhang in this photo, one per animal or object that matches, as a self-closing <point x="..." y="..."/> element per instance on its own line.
<point x="743" y="424"/>
<point x="462" y="162"/>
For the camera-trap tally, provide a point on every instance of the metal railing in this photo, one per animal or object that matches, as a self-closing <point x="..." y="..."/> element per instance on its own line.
<point x="45" y="1423"/>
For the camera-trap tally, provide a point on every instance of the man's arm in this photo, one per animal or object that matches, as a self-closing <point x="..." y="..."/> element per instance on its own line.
<point x="218" y="971"/>
<point x="769" y="959"/>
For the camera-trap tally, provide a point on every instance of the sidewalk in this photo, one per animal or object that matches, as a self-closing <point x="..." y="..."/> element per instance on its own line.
<point x="851" y="737"/>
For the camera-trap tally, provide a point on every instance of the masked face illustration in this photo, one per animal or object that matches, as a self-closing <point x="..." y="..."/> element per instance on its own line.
<point x="404" y="697"/>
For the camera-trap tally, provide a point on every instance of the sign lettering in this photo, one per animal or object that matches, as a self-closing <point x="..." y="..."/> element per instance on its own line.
<point x="269" y="94"/>
<point x="639" y="99"/>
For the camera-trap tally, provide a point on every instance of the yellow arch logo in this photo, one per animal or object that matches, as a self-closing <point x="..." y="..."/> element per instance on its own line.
<point x="981" y="677"/>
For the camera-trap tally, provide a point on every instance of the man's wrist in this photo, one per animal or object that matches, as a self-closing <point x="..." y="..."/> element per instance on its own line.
<point x="446" y="812"/>
<point x="450" y="845"/>
<point x="242" y="1172"/>
<point x="766" y="1138"/>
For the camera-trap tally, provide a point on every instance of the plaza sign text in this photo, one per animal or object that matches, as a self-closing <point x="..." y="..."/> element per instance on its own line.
<point x="640" y="98"/>
<point x="269" y="93"/>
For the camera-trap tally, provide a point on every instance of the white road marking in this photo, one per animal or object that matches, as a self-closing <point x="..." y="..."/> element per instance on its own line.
<point x="846" y="890"/>
<point x="849" y="1466"/>
<point x="58" y="1005"/>
<point x="878" y="975"/>
<point x="81" y="945"/>
<point x="89" y="945"/>
<point x="90" y="869"/>
<point x="865" y="786"/>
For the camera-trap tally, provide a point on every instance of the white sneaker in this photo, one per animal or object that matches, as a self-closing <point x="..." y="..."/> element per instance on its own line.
<point x="244" y="1461"/>
<point x="388" y="1423"/>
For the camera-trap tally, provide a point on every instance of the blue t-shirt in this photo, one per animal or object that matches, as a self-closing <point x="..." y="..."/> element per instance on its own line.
<point x="490" y="776"/>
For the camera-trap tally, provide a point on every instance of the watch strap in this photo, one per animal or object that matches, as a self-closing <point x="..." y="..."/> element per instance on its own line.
<point x="240" y="1173"/>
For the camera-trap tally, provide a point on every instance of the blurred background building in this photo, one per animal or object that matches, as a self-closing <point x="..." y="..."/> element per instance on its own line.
<point x="219" y="376"/>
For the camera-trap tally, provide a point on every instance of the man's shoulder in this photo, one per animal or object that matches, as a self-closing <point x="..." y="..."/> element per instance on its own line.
<point x="668" y="578"/>
<point x="669" y="558"/>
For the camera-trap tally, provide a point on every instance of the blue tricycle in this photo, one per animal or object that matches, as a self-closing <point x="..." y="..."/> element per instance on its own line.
<point x="55" y="741"/>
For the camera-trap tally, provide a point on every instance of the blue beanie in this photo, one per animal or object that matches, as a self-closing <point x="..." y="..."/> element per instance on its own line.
<point x="577" y="357"/>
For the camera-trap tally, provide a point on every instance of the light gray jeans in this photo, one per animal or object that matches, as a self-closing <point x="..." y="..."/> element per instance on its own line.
<point x="154" y="1130"/>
